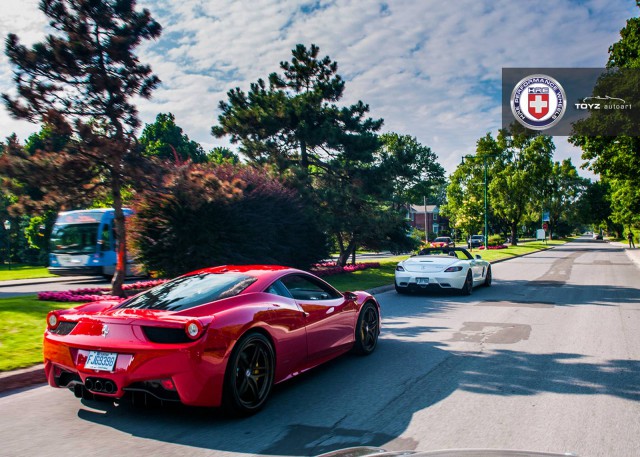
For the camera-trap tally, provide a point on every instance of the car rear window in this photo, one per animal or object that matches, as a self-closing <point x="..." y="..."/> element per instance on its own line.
<point x="189" y="291"/>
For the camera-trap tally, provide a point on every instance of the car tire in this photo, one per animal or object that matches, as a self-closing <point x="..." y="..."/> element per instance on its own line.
<point x="249" y="375"/>
<point x="488" y="278"/>
<point x="367" y="330"/>
<point x="467" y="288"/>
<point x="401" y="290"/>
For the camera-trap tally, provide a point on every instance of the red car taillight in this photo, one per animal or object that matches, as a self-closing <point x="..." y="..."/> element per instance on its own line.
<point x="193" y="329"/>
<point x="52" y="320"/>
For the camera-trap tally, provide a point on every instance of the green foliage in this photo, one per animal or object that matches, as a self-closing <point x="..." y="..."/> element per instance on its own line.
<point x="221" y="156"/>
<point x="561" y="194"/>
<point x="517" y="167"/>
<point x="214" y="215"/>
<point x="416" y="168"/>
<point x="616" y="158"/>
<point x="80" y="81"/>
<point x="165" y="140"/>
<point x="331" y="154"/>
<point x="495" y="240"/>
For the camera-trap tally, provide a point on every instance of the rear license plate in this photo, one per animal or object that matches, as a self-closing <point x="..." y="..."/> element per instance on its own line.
<point x="422" y="280"/>
<point x="104" y="361"/>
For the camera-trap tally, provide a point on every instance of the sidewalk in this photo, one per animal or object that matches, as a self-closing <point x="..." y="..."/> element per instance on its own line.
<point x="32" y="281"/>
<point x="633" y="254"/>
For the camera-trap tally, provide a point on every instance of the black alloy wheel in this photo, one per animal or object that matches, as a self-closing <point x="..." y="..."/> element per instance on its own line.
<point x="488" y="278"/>
<point x="367" y="330"/>
<point x="468" y="285"/>
<point x="249" y="376"/>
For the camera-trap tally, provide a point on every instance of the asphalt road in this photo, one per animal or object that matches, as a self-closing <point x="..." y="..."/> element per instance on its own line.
<point x="547" y="359"/>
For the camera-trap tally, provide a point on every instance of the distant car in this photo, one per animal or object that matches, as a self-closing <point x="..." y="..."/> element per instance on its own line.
<point x="442" y="268"/>
<point x="476" y="241"/>
<point x="597" y="236"/>
<point x="217" y="336"/>
<point x="443" y="242"/>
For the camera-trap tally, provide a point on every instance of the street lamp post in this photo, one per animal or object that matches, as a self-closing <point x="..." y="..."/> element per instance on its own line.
<point x="7" y="227"/>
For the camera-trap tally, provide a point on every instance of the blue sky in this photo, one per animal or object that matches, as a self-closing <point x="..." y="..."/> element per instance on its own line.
<point x="430" y="69"/>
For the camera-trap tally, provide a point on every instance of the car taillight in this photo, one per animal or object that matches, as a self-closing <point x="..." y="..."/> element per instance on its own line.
<point x="399" y="268"/>
<point x="452" y="269"/>
<point x="193" y="329"/>
<point x="52" y="320"/>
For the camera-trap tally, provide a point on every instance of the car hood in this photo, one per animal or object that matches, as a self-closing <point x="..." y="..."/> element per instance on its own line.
<point x="428" y="263"/>
<point x="367" y="451"/>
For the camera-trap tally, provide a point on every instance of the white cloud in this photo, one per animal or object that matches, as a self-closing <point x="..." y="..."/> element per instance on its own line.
<point x="431" y="69"/>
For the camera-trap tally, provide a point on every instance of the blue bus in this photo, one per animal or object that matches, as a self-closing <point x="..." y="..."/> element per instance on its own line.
<point x="83" y="242"/>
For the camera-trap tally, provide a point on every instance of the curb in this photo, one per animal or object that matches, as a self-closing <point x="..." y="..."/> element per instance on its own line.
<point x="25" y="377"/>
<point x="380" y="289"/>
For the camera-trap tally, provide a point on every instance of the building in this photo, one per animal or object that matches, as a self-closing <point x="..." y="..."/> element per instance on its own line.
<point x="434" y="222"/>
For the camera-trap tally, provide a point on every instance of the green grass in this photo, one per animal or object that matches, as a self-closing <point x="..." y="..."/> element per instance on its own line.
<point x="367" y="279"/>
<point x="23" y="272"/>
<point x="22" y="324"/>
<point x="514" y="251"/>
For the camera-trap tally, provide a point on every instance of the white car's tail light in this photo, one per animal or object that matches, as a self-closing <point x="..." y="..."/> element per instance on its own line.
<point x="399" y="268"/>
<point x="193" y="329"/>
<point x="452" y="269"/>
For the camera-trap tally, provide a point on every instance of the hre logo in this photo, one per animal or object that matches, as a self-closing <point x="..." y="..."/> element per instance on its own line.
<point x="538" y="102"/>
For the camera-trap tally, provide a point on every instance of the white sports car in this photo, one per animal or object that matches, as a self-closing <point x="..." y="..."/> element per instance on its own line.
<point x="446" y="268"/>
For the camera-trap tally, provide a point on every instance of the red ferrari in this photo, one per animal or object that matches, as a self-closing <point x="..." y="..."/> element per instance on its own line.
<point x="220" y="336"/>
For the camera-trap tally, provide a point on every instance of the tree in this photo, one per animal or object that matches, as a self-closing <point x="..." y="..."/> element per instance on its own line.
<point x="81" y="81"/>
<point x="562" y="192"/>
<point x="330" y="153"/>
<point x="221" y="155"/>
<point x="610" y="140"/>
<point x="520" y="173"/>
<point x="415" y="167"/>
<point x="165" y="140"/>
<point x="464" y="205"/>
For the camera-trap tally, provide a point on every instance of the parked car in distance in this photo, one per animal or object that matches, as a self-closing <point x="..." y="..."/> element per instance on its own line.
<point x="597" y="236"/>
<point x="220" y="336"/>
<point x="443" y="242"/>
<point x="476" y="241"/>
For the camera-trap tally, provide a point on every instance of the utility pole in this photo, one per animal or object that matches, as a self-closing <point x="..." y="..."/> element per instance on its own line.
<point x="426" y="231"/>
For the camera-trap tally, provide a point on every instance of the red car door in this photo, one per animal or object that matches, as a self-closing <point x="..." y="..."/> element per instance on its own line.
<point x="330" y="318"/>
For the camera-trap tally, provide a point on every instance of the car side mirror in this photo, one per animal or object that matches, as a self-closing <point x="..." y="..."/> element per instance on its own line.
<point x="478" y="256"/>
<point x="350" y="296"/>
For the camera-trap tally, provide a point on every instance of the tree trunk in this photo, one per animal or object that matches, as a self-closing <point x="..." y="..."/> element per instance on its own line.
<point x="121" y="240"/>
<point x="514" y="232"/>
<point x="304" y="160"/>
<point x="345" y="253"/>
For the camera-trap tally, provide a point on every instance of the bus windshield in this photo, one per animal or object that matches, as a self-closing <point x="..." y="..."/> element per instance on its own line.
<point x="74" y="238"/>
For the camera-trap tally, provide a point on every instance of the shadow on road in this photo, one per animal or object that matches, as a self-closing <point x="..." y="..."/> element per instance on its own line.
<point x="371" y="401"/>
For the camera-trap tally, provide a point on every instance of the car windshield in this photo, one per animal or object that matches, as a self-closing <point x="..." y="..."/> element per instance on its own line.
<point x="74" y="238"/>
<point x="477" y="237"/>
<point x="441" y="239"/>
<point x="189" y="291"/>
<point x="457" y="253"/>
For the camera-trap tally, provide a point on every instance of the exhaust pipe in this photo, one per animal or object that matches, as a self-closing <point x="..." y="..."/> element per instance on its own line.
<point x="98" y="385"/>
<point x="109" y="387"/>
<point x="89" y="383"/>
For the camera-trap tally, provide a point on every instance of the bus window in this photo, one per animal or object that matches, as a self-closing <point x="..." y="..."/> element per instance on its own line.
<point x="106" y="238"/>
